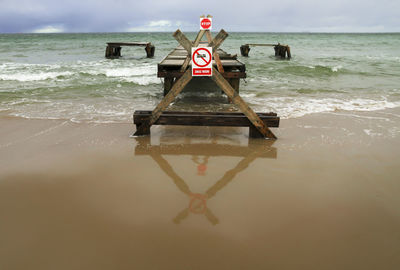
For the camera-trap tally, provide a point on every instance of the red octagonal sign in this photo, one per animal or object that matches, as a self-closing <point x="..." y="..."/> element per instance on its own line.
<point x="205" y="23"/>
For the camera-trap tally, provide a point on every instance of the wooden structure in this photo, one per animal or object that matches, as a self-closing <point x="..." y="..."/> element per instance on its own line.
<point x="170" y="68"/>
<point x="198" y="201"/>
<point x="281" y="51"/>
<point x="113" y="49"/>
<point x="180" y="80"/>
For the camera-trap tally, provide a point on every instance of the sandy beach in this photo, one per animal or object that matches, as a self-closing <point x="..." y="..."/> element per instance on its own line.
<point x="325" y="195"/>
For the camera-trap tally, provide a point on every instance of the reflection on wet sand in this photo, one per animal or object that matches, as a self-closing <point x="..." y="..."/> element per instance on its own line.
<point x="200" y="154"/>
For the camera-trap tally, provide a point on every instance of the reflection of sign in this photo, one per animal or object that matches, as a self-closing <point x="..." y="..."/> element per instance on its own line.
<point x="205" y="23"/>
<point x="201" y="61"/>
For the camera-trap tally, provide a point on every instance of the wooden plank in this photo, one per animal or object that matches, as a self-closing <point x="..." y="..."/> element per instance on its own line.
<point x="251" y="115"/>
<point x="183" y="40"/>
<point x="117" y="44"/>
<point x="179" y="61"/>
<point x="176" y="74"/>
<point x="261" y="44"/>
<point x="215" y="54"/>
<point x="147" y="113"/>
<point x="195" y="119"/>
<point x="219" y="38"/>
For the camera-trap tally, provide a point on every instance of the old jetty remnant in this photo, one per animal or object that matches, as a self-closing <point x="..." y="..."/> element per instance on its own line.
<point x="225" y="72"/>
<point x="113" y="49"/>
<point x="281" y="51"/>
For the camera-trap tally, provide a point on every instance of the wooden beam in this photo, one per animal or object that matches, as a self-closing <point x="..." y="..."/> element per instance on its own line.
<point x="219" y="38"/>
<point x="176" y="74"/>
<point x="196" y="42"/>
<point x="199" y="36"/>
<point x="144" y="128"/>
<point x="200" y="119"/>
<point x="175" y="90"/>
<point x="183" y="40"/>
<point x="251" y="115"/>
<point x="215" y="54"/>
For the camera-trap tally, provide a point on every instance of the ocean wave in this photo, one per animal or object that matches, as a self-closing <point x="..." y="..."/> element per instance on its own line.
<point x="29" y="77"/>
<point x="293" y="107"/>
<point x="143" y="80"/>
<point x="312" y="70"/>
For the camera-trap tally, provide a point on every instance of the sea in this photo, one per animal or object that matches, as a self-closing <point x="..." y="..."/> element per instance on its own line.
<point x="66" y="76"/>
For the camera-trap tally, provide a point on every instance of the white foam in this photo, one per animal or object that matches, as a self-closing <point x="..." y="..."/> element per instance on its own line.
<point x="143" y="80"/>
<point x="130" y="71"/>
<point x="28" y="77"/>
<point x="292" y="107"/>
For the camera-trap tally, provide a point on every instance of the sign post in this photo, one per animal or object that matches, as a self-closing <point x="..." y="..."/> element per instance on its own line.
<point x="201" y="61"/>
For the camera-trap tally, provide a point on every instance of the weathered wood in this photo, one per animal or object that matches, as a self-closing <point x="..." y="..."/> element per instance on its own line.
<point x="235" y="83"/>
<point x="289" y="55"/>
<point x="146" y="112"/>
<point x="217" y="41"/>
<point x="244" y="50"/>
<point x="280" y="50"/>
<point x="150" y="49"/>
<point x="168" y="82"/>
<point x="260" y="44"/>
<point x="119" y="44"/>
<point x="215" y="53"/>
<point x="141" y="118"/>
<point x="200" y="119"/>
<point x="113" y="49"/>
<point x="253" y="120"/>
<point x="177" y="74"/>
<point x="251" y="115"/>
<point x="183" y="40"/>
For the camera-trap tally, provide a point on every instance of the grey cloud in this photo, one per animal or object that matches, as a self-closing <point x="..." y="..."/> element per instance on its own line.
<point x="252" y="15"/>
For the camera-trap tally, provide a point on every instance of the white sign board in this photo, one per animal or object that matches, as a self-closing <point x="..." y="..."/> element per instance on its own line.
<point x="201" y="61"/>
<point x="205" y="23"/>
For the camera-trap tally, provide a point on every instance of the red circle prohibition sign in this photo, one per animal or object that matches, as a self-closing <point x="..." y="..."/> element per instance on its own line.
<point x="206" y="62"/>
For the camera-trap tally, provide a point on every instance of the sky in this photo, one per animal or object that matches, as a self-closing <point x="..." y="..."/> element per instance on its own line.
<point x="57" y="16"/>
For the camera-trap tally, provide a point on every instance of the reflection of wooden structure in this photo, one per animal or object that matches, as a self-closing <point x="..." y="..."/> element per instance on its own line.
<point x="281" y="51"/>
<point x="260" y="128"/>
<point x="197" y="201"/>
<point x="113" y="49"/>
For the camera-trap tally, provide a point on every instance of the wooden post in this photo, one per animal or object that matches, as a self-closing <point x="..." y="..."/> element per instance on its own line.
<point x="235" y="82"/>
<point x="244" y="50"/>
<point x="288" y="52"/>
<point x="150" y="49"/>
<point x="168" y="82"/>
<point x="108" y="51"/>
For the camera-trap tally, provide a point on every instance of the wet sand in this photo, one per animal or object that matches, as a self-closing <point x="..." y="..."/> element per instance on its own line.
<point x="325" y="195"/>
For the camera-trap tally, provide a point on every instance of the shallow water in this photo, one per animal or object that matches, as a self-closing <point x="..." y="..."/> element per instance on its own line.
<point x="323" y="196"/>
<point x="65" y="76"/>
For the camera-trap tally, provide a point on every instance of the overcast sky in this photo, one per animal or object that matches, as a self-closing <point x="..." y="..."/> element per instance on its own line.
<point x="43" y="16"/>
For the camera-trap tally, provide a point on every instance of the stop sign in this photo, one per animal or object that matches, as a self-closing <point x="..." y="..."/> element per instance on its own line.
<point x="205" y="23"/>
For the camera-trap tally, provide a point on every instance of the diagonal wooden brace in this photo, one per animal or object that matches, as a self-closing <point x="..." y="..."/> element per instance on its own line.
<point x="251" y="115"/>
<point x="144" y="129"/>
